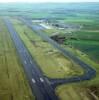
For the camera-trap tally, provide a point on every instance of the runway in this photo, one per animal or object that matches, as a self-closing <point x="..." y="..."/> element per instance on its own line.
<point x="40" y="86"/>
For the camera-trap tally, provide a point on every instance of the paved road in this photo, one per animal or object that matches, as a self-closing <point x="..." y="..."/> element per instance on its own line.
<point x="40" y="86"/>
<point x="89" y="71"/>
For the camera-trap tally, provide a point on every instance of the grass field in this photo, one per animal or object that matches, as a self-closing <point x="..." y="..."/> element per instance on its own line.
<point x="13" y="82"/>
<point x="52" y="63"/>
<point x="91" y="48"/>
<point x="73" y="92"/>
<point x="87" y="42"/>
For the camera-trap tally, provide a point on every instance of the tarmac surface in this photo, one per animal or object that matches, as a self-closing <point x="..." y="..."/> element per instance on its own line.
<point x="40" y="86"/>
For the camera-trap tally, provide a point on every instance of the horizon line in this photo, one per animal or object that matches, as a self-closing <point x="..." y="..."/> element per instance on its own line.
<point x="51" y="2"/>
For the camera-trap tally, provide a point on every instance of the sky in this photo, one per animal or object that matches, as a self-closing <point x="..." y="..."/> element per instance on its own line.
<point x="35" y="1"/>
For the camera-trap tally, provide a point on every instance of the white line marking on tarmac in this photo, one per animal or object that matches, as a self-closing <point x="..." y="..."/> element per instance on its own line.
<point x="33" y="80"/>
<point x="25" y="62"/>
<point x="41" y="79"/>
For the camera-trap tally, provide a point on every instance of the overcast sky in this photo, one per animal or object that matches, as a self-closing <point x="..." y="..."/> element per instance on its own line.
<point x="48" y="1"/>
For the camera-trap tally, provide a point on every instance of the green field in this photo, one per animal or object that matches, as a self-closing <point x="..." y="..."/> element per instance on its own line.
<point x="86" y="41"/>
<point x="13" y="82"/>
<point x="73" y="92"/>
